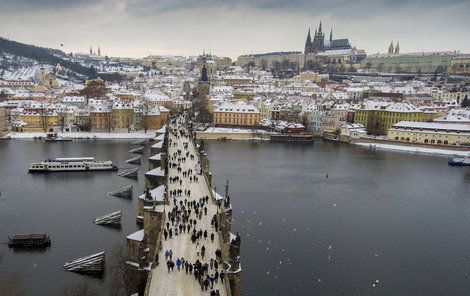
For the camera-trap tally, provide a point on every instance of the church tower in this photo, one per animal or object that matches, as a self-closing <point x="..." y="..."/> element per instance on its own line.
<point x="397" y="47"/>
<point x="91" y="50"/>
<point x="99" y="51"/>
<point x="308" y="44"/>
<point x="319" y="40"/>
<point x="203" y="85"/>
<point x="390" y="48"/>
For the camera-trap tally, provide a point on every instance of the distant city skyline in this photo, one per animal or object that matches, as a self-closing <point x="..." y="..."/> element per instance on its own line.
<point x="137" y="28"/>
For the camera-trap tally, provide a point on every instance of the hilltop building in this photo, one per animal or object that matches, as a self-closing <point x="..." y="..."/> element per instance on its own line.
<point x="320" y="44"/>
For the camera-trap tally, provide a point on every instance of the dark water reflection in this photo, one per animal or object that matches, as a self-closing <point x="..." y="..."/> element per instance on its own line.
<point x="382" y="223"/>
<point x="396" y="218"/>
<point x="63" y="205"/>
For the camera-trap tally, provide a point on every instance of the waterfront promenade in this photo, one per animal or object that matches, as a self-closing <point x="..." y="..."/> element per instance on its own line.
<point x="179" y="282"/>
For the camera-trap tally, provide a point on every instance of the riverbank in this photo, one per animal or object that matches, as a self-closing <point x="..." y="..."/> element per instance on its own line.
<point x="413" y="149"/>
<point x="86" y="135"/>
<point x="219" y="133"/>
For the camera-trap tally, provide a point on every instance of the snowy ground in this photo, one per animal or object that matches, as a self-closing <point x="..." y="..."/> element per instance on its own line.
<point x="414" y="149"/>
<point x="86" y="135"/>
<point x="234" y="130"/>
<point x="178" y="282"/>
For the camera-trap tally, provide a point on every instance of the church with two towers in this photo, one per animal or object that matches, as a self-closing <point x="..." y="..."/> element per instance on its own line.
<point x="320" y="44"/>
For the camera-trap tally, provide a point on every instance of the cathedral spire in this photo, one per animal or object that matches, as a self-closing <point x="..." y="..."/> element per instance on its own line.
<point x="390" y="48"/>
<point x="397" y="47"/>
<point x="319" y="29"/>
<point x="308" y="43"/>
<point x="331" y="35"/>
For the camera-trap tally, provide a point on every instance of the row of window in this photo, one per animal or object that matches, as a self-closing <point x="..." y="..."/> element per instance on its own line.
<point x="236" y="115"/>
<point x="426" y="141"/>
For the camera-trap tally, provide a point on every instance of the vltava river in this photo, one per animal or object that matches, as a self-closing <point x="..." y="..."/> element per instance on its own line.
<point x="395" y="220"/>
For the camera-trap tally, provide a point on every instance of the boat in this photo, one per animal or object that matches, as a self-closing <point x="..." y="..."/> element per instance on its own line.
<point x="129" y="173"/>
<point x="93" y="264"/>
<point x="138" y="150"/>
<point x="29" y="240"/>
<point x="74" y="164"/>
<point x="134" y="160"/>
<point x="53" y="137"/>
<point x="122" y="192"/>
<point x="331" y="137"/>
<point x="459" y="161"/>
<point x="292" y="138"/>
<point x="109" y="219"/>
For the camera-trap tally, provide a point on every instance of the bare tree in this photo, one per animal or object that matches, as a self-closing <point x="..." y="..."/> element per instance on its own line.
<point x="124" y="280"/>
<point x="128" y="119"/>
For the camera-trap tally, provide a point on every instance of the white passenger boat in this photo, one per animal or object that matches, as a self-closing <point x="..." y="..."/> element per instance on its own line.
<point x="75" y="164"/>
<point x="53" y="137"/>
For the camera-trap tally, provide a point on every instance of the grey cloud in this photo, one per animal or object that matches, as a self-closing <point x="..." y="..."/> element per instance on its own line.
<point x="22" y="5"/>
<point x="313" y="7"/>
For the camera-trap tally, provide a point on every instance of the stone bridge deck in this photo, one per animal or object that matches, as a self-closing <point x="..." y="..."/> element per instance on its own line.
<point x="178" y="282"/>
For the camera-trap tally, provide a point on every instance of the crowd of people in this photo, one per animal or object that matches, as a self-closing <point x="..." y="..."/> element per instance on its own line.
<point x="189" y="215"/>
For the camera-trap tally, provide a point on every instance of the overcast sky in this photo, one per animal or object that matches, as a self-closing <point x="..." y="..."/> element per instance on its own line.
<point x="138" y="28"/>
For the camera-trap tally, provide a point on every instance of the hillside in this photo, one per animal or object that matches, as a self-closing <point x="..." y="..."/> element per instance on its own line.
<point x="43" y="55"/>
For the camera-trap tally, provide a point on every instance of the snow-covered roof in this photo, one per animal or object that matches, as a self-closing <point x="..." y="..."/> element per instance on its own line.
<point x="153" y="111"/>
<point x="456" y="115"/>
<point x="236" y="108"/>
<point x="402" y="107"/>
<point x="122" y="105"/>
<point x="433" y="126"/>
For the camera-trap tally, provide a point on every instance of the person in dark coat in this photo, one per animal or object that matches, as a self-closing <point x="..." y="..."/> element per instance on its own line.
<point x="222" y="276"/>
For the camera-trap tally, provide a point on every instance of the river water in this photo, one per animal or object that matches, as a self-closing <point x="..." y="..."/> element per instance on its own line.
<point x="395" y="220"/>
<point x="382" y="223"/>
<point x="64" y="206"/>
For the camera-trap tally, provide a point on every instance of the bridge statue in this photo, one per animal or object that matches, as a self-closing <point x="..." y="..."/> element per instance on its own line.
<point x="235" y="248"/>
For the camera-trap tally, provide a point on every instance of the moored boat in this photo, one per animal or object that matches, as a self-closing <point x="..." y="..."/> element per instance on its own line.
<point x="459" y="161"/>
<point x="29" y="240"/>
<point x="53" y="137"/>
<point x="75" y="164"/>
<point x="292" y="138"/>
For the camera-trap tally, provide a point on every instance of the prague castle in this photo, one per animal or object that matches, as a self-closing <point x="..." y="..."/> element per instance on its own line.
<point x="319" y="44"/>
